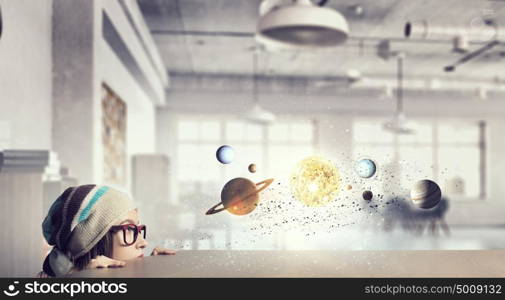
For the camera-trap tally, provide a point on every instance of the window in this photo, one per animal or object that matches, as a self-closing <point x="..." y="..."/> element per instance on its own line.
<point x="288" y="143"/>
<point x="448" y="152"/>
<point x="247" y="140"/>
<point x="459" y="158"/>
<point x="196" y="150"/>
<point x="274" y="149"/>
<point x="200" y="177"/>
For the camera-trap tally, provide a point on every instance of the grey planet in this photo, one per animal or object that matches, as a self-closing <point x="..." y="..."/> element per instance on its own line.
<point x="425" y="194"/>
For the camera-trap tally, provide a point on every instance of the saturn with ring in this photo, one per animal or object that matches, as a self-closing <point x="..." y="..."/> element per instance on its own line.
<point x="240" y="196"/>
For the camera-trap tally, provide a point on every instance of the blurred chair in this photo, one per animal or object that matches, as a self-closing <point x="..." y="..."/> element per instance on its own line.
<point x="415" y="220"/>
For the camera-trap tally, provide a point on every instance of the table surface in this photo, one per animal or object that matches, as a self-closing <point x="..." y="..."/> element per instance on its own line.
<point x="217" y="263"/>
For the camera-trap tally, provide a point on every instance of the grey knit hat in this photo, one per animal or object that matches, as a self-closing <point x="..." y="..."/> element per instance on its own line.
<point x="79" y="219"/>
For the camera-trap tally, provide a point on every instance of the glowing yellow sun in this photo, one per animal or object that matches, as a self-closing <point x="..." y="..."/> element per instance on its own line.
<point x="315" y="181"/>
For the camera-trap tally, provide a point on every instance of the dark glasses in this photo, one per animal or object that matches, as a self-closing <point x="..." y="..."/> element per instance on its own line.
<point x="130" y="232"/>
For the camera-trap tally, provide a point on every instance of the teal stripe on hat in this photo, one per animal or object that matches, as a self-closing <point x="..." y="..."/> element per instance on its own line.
<point x="85" y="212"/>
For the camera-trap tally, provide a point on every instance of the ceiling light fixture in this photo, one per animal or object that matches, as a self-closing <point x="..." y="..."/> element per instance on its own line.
<point x="398" y="125"/>
<point x="258" y="114"/>
<point x="300" y="23"/>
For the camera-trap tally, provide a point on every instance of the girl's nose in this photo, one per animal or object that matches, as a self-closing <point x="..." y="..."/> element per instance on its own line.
<point x="141" y="242"/>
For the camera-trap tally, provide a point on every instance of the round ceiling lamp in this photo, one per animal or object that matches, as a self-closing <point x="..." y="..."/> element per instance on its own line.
<point x="301" y="23"/>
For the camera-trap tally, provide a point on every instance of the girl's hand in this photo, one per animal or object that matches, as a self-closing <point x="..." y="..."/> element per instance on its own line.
<point x="105" y="262"/>
<point x="162" y="251"/>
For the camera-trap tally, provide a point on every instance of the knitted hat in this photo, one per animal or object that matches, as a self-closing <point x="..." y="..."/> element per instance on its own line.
<point x="79" y="219"/>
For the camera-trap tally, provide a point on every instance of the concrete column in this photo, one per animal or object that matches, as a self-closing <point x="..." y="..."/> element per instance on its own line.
<point x="22" y="175"/>
<point x="73" y="35"/>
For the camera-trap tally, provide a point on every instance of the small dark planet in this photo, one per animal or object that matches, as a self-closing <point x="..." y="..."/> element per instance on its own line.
<point x="252" y="168"/>
<point x="240" y="196"/>
<point x="367" y="195"/>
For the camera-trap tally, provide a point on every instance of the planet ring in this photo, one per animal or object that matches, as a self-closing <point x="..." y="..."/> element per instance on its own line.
<point x="265" y="183"/>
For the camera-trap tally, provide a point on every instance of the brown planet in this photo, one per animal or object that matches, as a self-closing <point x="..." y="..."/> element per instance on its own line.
<point x="252" y="168"/>
<point x="240" y="196"/>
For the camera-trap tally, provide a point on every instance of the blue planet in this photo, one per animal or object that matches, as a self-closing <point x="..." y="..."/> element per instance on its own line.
<point x="366" y="168"/>
<point x="225" y="154"/>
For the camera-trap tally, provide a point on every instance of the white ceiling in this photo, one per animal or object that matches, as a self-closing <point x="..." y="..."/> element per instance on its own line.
<point x="214" y="38"/>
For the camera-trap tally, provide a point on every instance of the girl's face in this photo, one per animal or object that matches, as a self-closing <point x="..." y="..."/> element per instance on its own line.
<point x="120" y="250"/>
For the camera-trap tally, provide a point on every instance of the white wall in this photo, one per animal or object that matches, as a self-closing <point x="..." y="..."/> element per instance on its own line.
<point x="25" y="75"/>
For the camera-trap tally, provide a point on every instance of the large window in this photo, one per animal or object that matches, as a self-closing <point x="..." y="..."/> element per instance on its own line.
<point x="288" y="143"/>
<point x="449" y="152"/>
<point x="272" y="148"/>
<point x="196" y="148"/>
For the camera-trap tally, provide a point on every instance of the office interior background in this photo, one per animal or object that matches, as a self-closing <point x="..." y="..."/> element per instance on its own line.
<point x="140" y="94"/>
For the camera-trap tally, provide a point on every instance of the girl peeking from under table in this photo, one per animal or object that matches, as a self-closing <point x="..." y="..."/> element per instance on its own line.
<point x="92" y="226"/>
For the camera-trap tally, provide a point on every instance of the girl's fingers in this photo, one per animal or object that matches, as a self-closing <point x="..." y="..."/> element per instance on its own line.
<point x="162" y="251"/>
<point x="105" y="262"/>
<point x="116" y="264"/>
